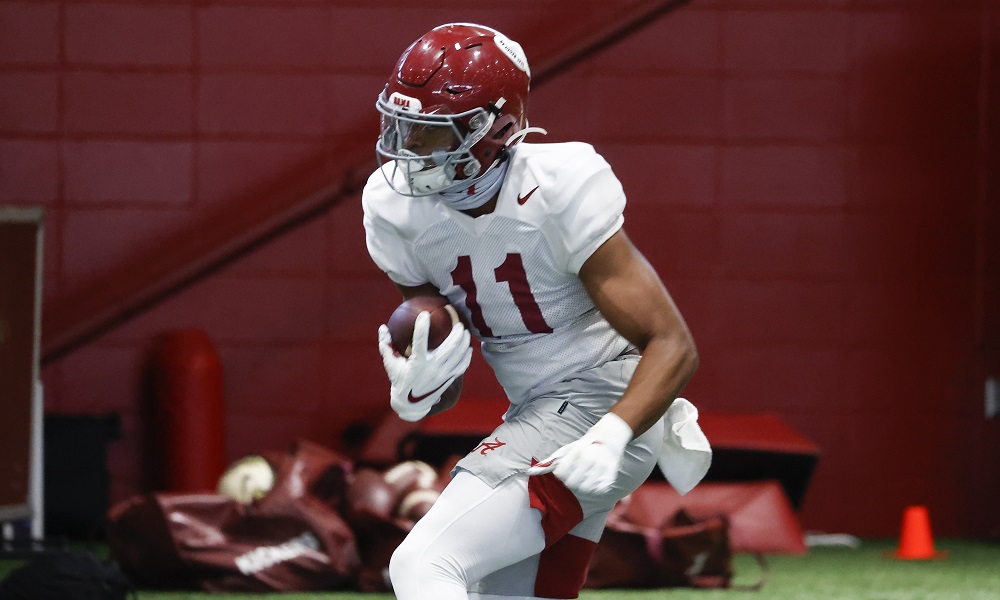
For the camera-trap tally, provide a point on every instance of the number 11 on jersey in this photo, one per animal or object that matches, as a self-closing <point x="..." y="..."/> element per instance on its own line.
<point x="511" y="272"/>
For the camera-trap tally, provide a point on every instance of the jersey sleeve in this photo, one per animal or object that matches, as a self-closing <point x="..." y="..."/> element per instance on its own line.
<point x="389" y="248"/>
<point x="593" y="210"/>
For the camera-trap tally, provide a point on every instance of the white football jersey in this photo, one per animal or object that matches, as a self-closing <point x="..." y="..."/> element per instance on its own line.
<point x="513" y="272"/>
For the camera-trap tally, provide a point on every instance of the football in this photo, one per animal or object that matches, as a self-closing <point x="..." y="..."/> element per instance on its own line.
<point x="369" y="493"/>
<point x="402" y="320"/>
<point x="416" y="504"/>
<point x="413" y="482"/>
<point x="248" y="479"/>
<point x="410" y="475"/>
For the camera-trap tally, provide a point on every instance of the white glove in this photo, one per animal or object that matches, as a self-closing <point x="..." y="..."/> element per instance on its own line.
<point x="418" y="382"/>
<point x="590" y="464"/>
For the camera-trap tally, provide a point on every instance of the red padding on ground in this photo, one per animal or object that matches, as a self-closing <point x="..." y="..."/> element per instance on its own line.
<point x="766" y="432"/>
<point x="760" y="516"/>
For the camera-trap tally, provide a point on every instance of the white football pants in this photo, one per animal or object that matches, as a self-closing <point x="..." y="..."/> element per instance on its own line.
<point x="476" y="539"/>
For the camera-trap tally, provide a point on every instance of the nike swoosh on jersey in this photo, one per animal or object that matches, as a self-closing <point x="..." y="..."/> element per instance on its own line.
<point x="522" y="199"/>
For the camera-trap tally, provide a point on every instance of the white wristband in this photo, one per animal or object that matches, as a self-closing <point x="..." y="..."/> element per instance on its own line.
<point x="612" y="430"/>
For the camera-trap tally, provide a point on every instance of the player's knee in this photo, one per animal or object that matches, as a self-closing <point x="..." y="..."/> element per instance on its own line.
<point x="402" y="569"/>
<point x="414" y="566"/>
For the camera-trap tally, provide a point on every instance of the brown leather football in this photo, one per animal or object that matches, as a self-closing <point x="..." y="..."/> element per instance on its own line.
<point x="410" y="475"/>
<point x="368" y="493"/>
<point x="400" y="324"/>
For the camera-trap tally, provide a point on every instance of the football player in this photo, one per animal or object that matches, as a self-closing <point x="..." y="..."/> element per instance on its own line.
<point x="526" y="240"/>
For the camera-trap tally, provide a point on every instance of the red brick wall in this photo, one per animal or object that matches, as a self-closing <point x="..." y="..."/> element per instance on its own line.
<point x="812" y="179"/>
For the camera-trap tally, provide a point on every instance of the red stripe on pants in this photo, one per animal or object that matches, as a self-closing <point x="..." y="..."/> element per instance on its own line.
<point x="562" y="567"/>
<point x="560" y="509"/>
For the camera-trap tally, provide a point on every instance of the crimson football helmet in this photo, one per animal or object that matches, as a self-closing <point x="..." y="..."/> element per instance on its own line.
<point x="456" y="100"/>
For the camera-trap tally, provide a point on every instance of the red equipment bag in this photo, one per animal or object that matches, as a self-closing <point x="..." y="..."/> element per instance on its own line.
<point x="682" y="552"/>
<point x="292" y="539"/>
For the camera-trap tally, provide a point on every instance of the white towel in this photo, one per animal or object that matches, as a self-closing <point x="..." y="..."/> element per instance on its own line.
<point x="685" y="454"/>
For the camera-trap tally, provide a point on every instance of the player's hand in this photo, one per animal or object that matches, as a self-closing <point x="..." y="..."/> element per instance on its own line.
<point x="418" y="381"/>
<point x="590" y="464"/>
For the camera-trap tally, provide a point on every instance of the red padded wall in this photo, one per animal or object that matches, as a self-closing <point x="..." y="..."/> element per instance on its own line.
<point x="815" y="181"/>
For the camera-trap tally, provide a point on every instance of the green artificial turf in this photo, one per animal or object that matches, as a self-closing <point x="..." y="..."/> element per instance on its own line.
<point x="971" y="571"/>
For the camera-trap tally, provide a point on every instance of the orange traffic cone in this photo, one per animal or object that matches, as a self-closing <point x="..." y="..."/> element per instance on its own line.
<point x="915" y="539"/>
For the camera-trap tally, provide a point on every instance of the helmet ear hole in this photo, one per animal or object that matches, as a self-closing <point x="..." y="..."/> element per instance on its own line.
<point x="502" y="132"/>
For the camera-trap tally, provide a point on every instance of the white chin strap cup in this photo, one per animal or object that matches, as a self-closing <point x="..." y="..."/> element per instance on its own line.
<point x="429" y="180"/>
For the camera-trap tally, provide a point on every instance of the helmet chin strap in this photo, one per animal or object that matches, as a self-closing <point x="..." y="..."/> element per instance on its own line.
<point x="482" y="189"/>
<point x="479" y="191"/>
<point x="517" y="137"/>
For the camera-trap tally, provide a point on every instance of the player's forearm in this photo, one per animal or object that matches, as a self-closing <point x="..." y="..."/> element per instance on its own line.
<point x="668" y="362"/>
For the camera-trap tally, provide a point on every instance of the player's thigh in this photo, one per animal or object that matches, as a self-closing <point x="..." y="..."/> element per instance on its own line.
<point x="473" y="529"/>
<point x="558" y="571"/>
